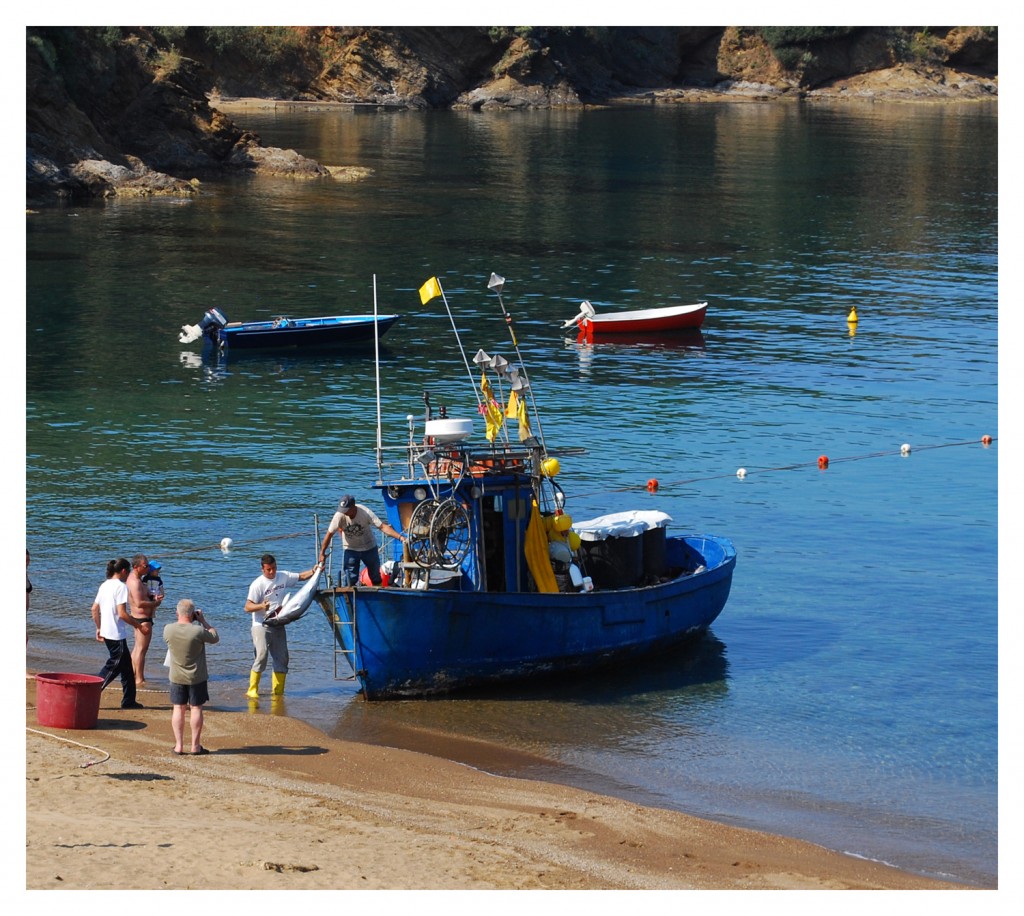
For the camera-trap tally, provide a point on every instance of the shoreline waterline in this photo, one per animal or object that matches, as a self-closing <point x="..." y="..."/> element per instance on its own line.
<point x="485" y="759"/>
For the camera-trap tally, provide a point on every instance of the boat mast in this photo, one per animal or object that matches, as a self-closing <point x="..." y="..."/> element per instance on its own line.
<point x="497" y="284"/>
<point x="376" y="368"/>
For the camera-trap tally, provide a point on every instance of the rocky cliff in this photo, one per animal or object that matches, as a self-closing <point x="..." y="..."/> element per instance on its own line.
<point x="128" y="110"/>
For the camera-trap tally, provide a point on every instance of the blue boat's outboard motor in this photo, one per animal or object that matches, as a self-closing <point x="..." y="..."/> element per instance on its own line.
<point x="212" y="322"/>
<point x="210" y="326"/>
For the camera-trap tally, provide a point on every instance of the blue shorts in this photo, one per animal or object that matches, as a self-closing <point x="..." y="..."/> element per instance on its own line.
<point x="189" y="694"/>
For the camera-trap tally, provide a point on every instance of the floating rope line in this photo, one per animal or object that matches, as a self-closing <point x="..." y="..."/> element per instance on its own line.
<point x="202" y="548"/>
<point x="821" y="463"/>
<point x="234" y="545"/>
<point x="651" y="486"/>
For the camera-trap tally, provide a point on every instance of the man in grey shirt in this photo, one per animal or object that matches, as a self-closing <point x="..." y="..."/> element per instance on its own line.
<point x="356" y="524"/>
<point x="186" y="641"/>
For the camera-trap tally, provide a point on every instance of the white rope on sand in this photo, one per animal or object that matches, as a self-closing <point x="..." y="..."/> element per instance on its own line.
<point x="105" y="758"/>
<point x="35" y="731"/>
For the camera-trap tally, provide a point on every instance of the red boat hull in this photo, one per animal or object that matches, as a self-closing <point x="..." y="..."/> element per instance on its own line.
<point x="670" y="318"/>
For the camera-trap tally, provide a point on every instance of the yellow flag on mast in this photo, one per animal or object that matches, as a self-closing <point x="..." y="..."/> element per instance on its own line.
<point x="512" y="411"/>
<point x="429" y="290"/>
<point x="494" y="416"/>
<point x="494" y="420"/>
<point x="524" y="421"/>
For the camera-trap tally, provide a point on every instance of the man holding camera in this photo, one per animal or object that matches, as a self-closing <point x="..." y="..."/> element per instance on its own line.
<point x="186" y="641"/>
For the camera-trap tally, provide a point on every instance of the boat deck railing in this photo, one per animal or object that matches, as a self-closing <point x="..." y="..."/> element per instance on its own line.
<point x="433" y="460"/>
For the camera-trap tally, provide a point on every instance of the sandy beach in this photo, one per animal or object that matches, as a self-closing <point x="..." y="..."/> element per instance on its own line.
<point x="279" y="805"/>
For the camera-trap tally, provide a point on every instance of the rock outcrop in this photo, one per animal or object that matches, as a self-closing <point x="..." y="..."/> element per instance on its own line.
<point x="542" y="67"/>
<point x="127" y="110"/>
<point x="124" y="118"/>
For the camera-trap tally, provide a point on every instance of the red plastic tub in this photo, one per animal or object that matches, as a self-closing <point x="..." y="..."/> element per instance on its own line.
<point x="68" y="700"/>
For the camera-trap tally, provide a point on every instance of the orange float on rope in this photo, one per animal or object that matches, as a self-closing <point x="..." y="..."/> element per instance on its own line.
<point x="652" y="485"/>
<point x="986" y="440"/>
<point x="823" y="462"/>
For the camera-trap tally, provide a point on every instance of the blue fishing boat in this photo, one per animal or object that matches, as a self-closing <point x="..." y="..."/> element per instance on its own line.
<point x="286" y="333"/>
<point x="496" y="582"/>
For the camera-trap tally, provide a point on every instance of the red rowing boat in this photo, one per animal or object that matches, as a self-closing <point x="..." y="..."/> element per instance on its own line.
<point x="668" y="318"/>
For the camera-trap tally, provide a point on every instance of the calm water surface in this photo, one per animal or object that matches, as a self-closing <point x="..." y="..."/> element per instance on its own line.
<point x="848" y="693"/>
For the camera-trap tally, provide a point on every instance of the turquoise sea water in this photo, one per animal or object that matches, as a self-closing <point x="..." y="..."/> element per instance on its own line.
<point x="848" y="693"/>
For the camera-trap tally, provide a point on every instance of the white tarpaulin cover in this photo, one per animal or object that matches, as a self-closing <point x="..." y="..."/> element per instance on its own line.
<point x="621" y="524"/>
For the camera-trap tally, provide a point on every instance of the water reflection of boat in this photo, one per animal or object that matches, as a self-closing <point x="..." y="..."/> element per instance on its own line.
<point x="640" y="321"/>
<point x="286" y="333"/>
<point x="496" y="582"/>
<point x="516" y="730"/>
<point x="692" y="339"/>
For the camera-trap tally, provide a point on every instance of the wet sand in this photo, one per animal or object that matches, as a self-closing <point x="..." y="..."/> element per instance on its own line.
<point x="280" y="805"/>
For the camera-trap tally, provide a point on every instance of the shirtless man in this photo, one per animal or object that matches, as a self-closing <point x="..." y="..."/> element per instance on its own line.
<point x="142" y="607"/>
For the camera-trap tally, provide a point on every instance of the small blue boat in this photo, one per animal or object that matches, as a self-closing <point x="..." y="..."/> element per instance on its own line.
<point x="286" y="333"/>
<point x="496" y="583"/>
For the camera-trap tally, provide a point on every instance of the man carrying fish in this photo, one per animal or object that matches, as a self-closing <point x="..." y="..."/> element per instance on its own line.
<point x="266" y="596"/>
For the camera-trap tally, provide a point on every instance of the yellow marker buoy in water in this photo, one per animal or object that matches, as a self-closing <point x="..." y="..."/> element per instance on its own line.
<point x="852" y="317"/>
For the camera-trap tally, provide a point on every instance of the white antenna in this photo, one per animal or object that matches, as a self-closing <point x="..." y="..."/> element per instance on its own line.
<point x="465" y="359"/>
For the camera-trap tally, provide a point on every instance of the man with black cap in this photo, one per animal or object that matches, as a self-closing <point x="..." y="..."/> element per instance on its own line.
<point x="356" y="524"/>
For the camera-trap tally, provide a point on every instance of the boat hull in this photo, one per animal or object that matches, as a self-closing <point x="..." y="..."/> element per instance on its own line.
<point x="671" y="318"/>
<point x="304" y="333"/>
<point x="414" y="643"/>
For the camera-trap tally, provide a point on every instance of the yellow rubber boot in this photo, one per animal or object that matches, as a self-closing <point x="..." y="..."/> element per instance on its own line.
<point x="277" y="683"/>
<point x="254" y="683"/>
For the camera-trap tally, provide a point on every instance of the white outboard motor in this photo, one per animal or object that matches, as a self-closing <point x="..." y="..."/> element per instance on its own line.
<point x="586" y="312"/>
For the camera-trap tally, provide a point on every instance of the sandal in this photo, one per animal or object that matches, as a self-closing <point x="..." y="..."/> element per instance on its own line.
<point x="202" y="750"/>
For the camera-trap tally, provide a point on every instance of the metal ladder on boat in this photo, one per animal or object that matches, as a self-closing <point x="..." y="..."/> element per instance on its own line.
<point x="328" y="600"/>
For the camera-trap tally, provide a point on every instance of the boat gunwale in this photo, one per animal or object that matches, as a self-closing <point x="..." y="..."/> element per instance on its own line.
<point x="706" y="576"/>
<point x="298" y="325"/>
<point x="651" y="314"/>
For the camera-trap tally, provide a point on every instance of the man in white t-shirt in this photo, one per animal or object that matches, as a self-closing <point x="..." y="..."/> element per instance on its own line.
<point x="266" y="595"/>
<point x="110" y="614"/>
<point x="356" y="524"/>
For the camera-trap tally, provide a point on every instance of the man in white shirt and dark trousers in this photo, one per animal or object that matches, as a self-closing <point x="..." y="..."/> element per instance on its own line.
<point x="110" y="614"/>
